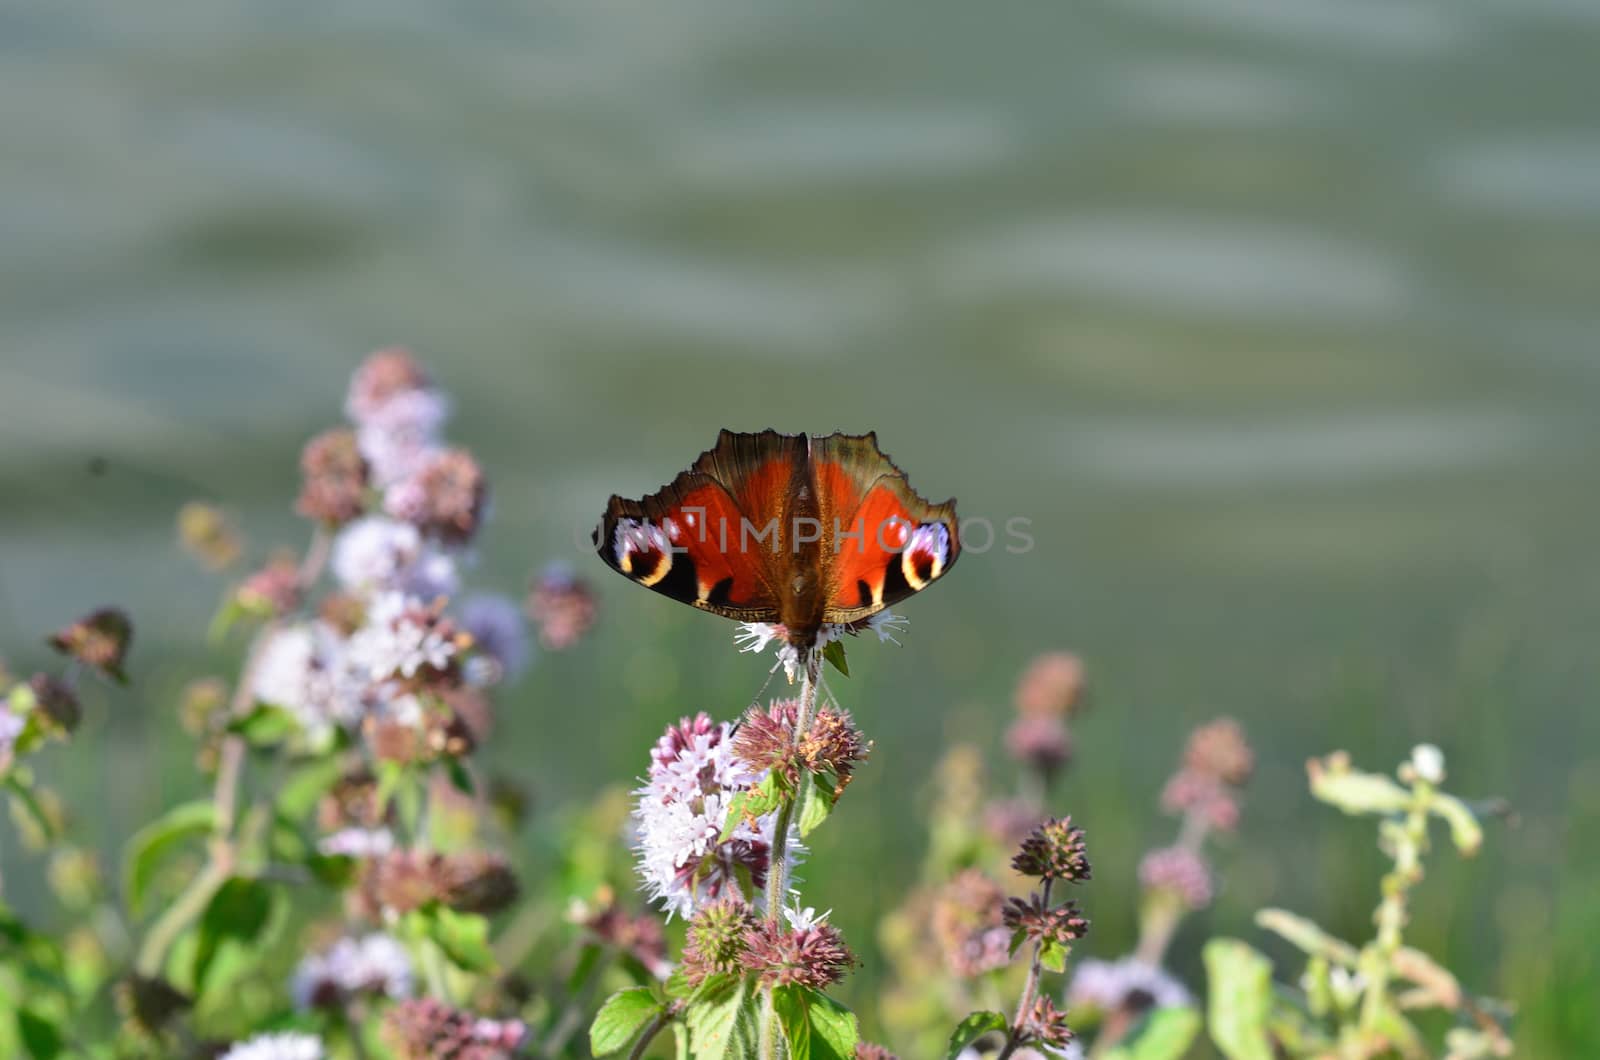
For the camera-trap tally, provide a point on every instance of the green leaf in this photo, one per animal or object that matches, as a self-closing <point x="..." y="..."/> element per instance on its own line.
<point x="1053" y="955"/>
<point x="306" y="784"/>
<point x="464" y="937"/>
<point x="833" y="651"/>
<point x="266" y="725"/>
<point x="26" y="804"/>
<point x="816" y="808"/>
<point x="1240" y="998"/>
<point x="1334" y="782"/>
<point x="1165" y="1034"/>
<point x="156" y="840"/>
<point x="753" y="802"/>
<point x="238" y="912"/>
<point x="722" y="1019"/>
<point x="972" y="1028"/>
<point x="39" y="1036"/>
<point x="460" y="779"/>
<point x="834" y="1029"/>
<point x="621" y="1018"/>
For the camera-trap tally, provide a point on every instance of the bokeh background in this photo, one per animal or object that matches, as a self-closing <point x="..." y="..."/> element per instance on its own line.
<point x="1277" y="318"/>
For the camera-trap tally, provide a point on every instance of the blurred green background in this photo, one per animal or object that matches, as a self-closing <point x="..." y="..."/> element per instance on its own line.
<point x="1276" y="317"/>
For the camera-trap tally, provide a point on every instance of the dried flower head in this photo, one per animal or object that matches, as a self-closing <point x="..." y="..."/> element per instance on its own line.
<point x="640" y="935"/>
<point x="444" y="497"/>
<point x="969" y="923"/>
<point x="1051" y="686"/>
<point x="765" y="740"/>
<point x="1219" y="750"/>
<point x="147" y="1005"/>
<point x="1031" y="919"/>
<point x="333" y="478"/>
<point x="1054" y="851"/>
<point x="478" y="882"/>
<point x="209" y="534"/>
<point x="429" y="1029"/>
<point x="1040" y="741"/>
<point x="55" y="702"/>
<point x="716" y="938"/>
<point x="873" y="1051"/>
<point x="383" y="376"/>
<point x="272" y="591"/>
<point x="1177" y="871"/>
<point x="1047" y="1025"/>
<point x="562" y="606"/>
<point x="813" y="955"/>
<point x="99" y="640"/>
<point x="834" y="745"/>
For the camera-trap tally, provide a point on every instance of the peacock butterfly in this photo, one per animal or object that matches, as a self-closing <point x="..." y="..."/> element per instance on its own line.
<point x="792" y="530"/>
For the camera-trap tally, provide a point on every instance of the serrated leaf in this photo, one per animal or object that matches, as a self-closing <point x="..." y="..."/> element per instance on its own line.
<point x="972" y="1028"/>
<point x="1053" y="955"/>
<point x="156" y="840"/>
<point x="238" y="912"/>
<point x="833" y="651"/>
<point x="752" y="802"/>
<point x="834" y="1028"/>
<point x="621" y="1018"/>
<point x="40" y="1036"/>
<point x="722" y="1018"/>
<point x="1165" y="1034"/>
<point x="1240" y="999"/>
<point x="819" y="803"/>
<point x="464" y="938"/>
<point x="790" y="1005"/>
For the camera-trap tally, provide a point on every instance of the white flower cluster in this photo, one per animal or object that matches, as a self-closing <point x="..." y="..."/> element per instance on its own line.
<point x="1126" y="983"/>
<point x="397" y="576"/>
<point x="11" y="726"/>
<point x="357" y="843"/>
<point x="755" y="636"/>
<point x="282" y="1045"/>
<point x="375" y="964"/>
<point x="680" y="813"/>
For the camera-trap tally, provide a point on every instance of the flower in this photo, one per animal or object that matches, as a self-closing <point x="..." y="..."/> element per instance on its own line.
<point x="11" y="726"/>
<point x="397" y="412"/>
<point x="375" y="964"/>
<point x="1054" y="851"/>
<point x="498" y="633"/>
<point x="429" y="1029"/>
<point x="280" y="1045"/>
<point x="680" y="813"/>
<point x="1177" y="871"/>
<point x="333" y="478"/>
<point x="98" y="640"/>
<point x="1427" y="762"/>
<point x="378" y="554"/>
<point x="398" y="881"/>
<point x="834" y="745"/>
<point x="562" y="606"/>
<point x="307" y="670"/>
<point x="207" y="533"/>
<point x="379" y="379"/>
<point x="1220" y="750"/>
<point x="814" y="956"/>
<point x="756" y="636"/>
<point x="1047" y="1025"/>
<point x="444" y="496"/>
<point x="716" y="938"/>
<point x="1031" y="919"/>
<point x="357" y="843"/>
<point x="1127" y="984"/>
<point x="1040" y="741"/>
<point x="274" y="590"/>
<point x="968" y="921"/>
<point x="56" y="702"/>
<point x="1203" y="795"/>
<point x="1051" y="686"/>
<point x="404" y="639"/>
<point x="640" y="936"/>
<point x="873" y="1051"/>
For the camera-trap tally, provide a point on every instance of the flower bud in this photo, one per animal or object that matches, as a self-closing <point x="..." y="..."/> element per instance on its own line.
<point x="98" y="640"/>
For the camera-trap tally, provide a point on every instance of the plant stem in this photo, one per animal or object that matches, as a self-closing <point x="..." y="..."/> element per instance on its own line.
<point x="655" y="1027"/>
<point x="1030" y="991"/>
<point x="778" y="860"/>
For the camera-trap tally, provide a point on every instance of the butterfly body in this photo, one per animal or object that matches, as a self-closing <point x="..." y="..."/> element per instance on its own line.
<point x="792" y="530"/>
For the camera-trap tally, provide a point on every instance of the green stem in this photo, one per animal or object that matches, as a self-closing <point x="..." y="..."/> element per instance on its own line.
<point x="1030" y="991"/>
<point x="656" y="1026"/>
<point x="778" y="861"/>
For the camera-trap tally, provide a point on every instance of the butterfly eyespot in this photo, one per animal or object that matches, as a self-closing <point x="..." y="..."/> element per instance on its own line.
<point x="643" y="552"/>
<point x="925" y="554"/>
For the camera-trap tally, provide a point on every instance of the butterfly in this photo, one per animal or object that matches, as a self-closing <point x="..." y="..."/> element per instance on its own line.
<point x="792" y="530"/>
